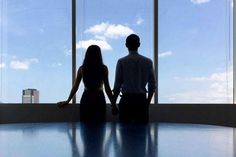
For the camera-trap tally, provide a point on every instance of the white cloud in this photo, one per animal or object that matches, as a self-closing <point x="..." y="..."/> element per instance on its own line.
<point x="22" y="65"/>
<point x="165" y="54"/>
<point x="58" y="64"/>
<point x="110" y="30"/>
<point x="219" y="89"/>
<point x="139" y="20"/>
<point x="33" y="60"/>
<point x="4" y="54"/>
<point x="97" y="29"/>
<point x="100" y="34"/>
<point x="103" y="31"/>
<point x="84" y="44"/>
<point x="2" y="65"/>
<point x="68" y="52"/>
<point x="100" y="37"/>
<point x="41" y="30"/>
<point x="116" y="31"/>
<point x="18" y="65"/>
<point x="200" y="1"/>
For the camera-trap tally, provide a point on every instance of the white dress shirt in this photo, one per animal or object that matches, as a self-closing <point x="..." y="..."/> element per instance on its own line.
<point x="133" y="73"/>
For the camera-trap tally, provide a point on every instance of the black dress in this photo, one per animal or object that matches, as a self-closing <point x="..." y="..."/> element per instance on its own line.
<point x="93" y="103"/>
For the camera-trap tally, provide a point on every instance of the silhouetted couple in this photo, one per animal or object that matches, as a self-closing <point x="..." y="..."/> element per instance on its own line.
<point x="133" y="73"/>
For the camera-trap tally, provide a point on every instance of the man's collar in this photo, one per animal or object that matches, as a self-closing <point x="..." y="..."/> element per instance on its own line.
<point x="133" y="52"/>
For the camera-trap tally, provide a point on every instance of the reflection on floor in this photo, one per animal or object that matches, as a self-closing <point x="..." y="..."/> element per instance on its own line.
<point x="116" y="140"/>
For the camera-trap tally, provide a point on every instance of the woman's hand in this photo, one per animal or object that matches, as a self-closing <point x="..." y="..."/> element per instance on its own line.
<point x="62" y="104"/>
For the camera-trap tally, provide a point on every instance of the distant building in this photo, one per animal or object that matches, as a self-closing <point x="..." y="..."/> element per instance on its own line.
<point x="30" y="96"/>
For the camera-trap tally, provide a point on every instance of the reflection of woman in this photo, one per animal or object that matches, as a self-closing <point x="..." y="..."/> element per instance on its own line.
<point x="93" y="139"/>
<point x="94" y="74"/>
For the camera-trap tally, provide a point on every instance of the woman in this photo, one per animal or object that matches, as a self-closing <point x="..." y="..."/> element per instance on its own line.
<point x="94" y="75"/>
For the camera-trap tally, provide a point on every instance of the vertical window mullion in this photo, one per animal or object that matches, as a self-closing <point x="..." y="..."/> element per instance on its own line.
<point x="234" y="51"/>
<point x="155" y="46"/>
<point x="73" y="46"/>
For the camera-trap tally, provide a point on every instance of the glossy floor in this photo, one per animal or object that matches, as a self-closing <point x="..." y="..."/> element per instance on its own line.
<point x="116" y="140"/>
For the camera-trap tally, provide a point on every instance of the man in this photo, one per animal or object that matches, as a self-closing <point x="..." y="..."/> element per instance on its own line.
<point x="133" y="73"/>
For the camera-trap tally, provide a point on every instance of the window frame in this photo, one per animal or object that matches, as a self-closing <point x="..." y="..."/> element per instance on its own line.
<point x="234" y="51"/>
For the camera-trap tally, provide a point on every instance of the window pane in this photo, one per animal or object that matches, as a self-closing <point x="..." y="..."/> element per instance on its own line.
<point x="195" y="51"/>
<point x="107" y="23"/>
<point x="36" y="40"/>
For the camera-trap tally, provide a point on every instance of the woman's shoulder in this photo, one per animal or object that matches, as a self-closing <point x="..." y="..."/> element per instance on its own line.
<point x="80" y="70"/>
<point x="105" y="67"/>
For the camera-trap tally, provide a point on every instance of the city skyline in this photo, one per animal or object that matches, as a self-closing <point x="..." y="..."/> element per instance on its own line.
<point x="30" y="96"/>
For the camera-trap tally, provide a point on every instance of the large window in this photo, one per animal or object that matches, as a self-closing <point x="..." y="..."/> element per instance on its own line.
<point x="195" y="51"/>
<point x="35" y="44"/>
<point x="195" y="60"/>
<point x="107" y="23"/>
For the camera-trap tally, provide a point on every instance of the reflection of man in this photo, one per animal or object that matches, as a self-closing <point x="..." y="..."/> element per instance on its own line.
<point x="133" y="73"/>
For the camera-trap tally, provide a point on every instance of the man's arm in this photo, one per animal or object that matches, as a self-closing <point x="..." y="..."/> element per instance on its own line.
<point x="151" y="83"/>
<point x="118" y="80"/>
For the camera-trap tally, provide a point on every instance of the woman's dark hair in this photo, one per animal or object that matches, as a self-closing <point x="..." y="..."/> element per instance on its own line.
<point x="93" y="67"/>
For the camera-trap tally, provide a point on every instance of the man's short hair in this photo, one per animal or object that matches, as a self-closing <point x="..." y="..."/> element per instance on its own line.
<point x="132" y="41"/>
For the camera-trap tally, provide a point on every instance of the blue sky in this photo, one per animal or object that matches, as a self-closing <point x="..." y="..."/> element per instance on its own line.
<point x="195" y="55"/>
<point x="197" y="34"/>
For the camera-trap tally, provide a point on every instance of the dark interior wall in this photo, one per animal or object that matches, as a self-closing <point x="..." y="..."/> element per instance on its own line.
<point x="221" y="114"/>
<point x="198" y="113"/>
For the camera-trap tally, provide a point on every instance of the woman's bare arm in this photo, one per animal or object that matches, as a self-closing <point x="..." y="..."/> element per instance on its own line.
<point x="107" y="86"/>
<point x="73" y="90"/>
<point x="114" y="108"/>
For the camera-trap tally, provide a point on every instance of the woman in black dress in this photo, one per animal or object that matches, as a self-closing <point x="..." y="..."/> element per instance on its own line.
<point x="94" y="75"/>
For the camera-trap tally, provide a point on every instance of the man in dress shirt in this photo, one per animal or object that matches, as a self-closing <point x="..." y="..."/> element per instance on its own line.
<point x="133" y="73"/>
